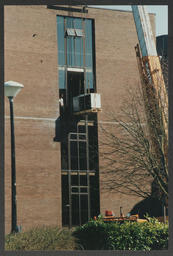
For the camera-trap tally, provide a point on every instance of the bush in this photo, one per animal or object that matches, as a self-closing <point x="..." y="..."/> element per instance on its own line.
<point x="44" y="238"/>
<point x="97" y="235"/>
<point x="93" y="235"/>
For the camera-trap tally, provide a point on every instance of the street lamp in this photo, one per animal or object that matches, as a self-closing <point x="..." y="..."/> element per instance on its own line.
<point x="11" y="90"/>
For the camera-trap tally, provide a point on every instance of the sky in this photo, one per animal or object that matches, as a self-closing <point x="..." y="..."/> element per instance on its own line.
<point x="161" y="12"/>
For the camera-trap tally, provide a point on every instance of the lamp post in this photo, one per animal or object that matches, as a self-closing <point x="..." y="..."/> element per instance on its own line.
<point x="11" y="90"/>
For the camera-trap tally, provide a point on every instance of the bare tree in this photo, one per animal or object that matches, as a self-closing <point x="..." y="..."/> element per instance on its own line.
<point x="131" y="164"/>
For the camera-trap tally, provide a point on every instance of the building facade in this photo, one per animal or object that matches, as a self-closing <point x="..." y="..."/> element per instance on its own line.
<point x="60" y="53"/>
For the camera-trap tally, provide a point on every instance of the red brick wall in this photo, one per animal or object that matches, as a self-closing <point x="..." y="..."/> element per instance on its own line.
<point x="32" y="61"/>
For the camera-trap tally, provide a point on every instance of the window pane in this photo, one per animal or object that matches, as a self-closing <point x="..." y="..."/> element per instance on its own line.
<point x="70" y="52"/>
<point x="77" y="23"/>
<point x="74" y="155"/>
<point x="79" y="32"/>
<point x="73" y="136"/>
<point x="84" y="208"/>
<point x="83" y="190"/>
<point x="65" y="200"/>
<point x="82" y="155"/>
<point x="78" y="54"/>
<point x="61" y="79"/>
<point x="69" y="22"/>
<point x="82" y="136"/>
<point x="83" y="180"/>
<point x="89" y="79"/>
<point x="70" y="32"/>
<point x="82" y="128"/>
<point x="74" y="180"/>
<point x="75" y="210"/>
<point x="88" y="43"/>
<point x="60" y="32"/>
<point x="75" y="190"/>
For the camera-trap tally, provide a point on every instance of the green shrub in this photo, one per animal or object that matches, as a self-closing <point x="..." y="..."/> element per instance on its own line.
<point x="92" y="235"/>
<point x="97" y="235"/>
<point x="44" y="238"/>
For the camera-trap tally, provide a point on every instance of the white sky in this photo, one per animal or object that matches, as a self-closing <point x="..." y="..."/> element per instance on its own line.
<point x="161" y="12"/>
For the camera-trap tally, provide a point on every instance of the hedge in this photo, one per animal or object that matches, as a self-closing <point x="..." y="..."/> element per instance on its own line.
<point x="97" y="235"/>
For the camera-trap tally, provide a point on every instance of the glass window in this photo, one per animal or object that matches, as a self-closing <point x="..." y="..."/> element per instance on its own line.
<point x="75" y="189"/>
<point x="78" y="53"/>
<point x="89" y="54"/>
<point x="74" y="180"/>
<point x="83" y="180"/>
<point x="83" y="190"/>
<point x="79" y="32"/>
<point x="77" y="23"/>
<point x="73" y="136"/>
<point x="70" y="32"/>
<point x="62" y="79"/>
<point x="74" y="32"/>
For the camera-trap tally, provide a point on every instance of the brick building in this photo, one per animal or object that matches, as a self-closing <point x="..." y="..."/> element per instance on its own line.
<point x="60" y="53"/>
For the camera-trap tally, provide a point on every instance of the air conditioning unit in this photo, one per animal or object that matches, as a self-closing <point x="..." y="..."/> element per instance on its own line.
<point x="87" y="103"/>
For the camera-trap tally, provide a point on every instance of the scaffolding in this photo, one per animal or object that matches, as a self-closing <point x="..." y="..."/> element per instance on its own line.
<point x="79" y="189"/>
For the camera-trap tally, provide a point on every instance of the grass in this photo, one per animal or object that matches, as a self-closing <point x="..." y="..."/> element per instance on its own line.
<point x="44" y="238"/>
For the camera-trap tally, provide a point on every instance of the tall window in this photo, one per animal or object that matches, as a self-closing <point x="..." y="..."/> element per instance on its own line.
<point x="80" y="185"/>
<point x="79" y="146"/>
<point x="75" y="48"/>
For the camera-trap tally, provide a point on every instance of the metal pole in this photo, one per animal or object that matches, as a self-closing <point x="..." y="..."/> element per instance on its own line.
<point x="13" y="172"/>
<point x="69" y="182"/>
<point x="78" y="156"/>
<point x="88" y="177"/>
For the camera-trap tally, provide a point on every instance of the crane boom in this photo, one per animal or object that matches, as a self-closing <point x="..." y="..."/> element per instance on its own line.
<point x="144" y="31"/>
<point x="150" y="58"/>
<point x="154" y="90"/>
